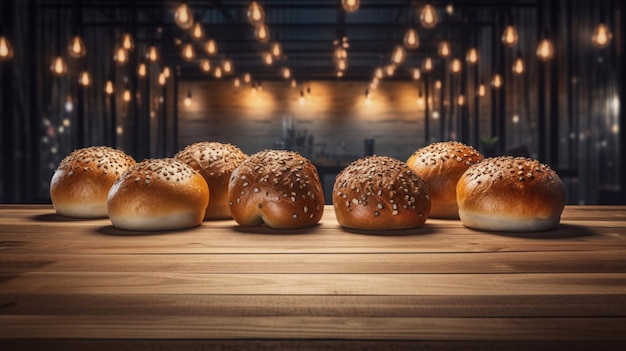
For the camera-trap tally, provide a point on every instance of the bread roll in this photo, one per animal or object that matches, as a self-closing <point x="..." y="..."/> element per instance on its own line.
<point x="216" y="162"/>
<point x="158" y="194"/>
<point x="81" y="183"/>
<point x="513" y="194"/>
<point x="441" y="165"/>
<point x="380" y="192"/>
<point x="276" y="187"/>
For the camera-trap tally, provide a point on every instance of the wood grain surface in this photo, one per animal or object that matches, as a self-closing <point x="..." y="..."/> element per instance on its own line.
<point x="82" y="284"/>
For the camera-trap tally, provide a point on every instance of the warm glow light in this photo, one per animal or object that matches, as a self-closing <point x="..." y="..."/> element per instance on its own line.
<point x="189" y="53"/>
<point x="460" y="100"/>
<point x="450" y="9"/>
<point x="378" y="73"/>
<point x="127" y="41"/>
<point x="58" y="66"/>
<point x="509" y="36"/>
<point x="183" y="16"/>
<point x="444" y="49"/>
<point x="286" y="73"/>
<point x="472" y="56"/>
<point x="545" y="50"/>
<point x="126" y="95"/>
<point x="416" y="74"/>
<point x="390" y="70"/>
<point x="6" y="49"/>
<point x="438" y="84"/>
<point x="166" y="72"/>
<point x="427" y="64"/>
<point x="69" y="107"/>
<point x="267" y="58"/>
<point x="293" y="83"/>
<point x="247" y="78"/>
<point x="85" y="79"/>
<point x="455" y="65"/>
<point x="399" y="55"/>
<point x="197" y="32"/>
<point x="428" y="16"/>
<point x="256" y="14"/>
<point x="121" y="56"/>
<point x="350" y="5"/>
<point x="77" y="47"/>
<point x="237" y="82"/>
<point x="187" y="100"/>
<point x="411" y="39"/>
<point x="153" y="54"/>
<point x="262" y="33"/>
<point x="515" y="119"/>
<point x="217" y="72"/>
<point x="227" y="66"/>
<point x="276" y="49"/>
<point x="601" y="36"/>
<point x="301" y="98"/>
<point x="141" y="70"/>
<point x="496" y="81"/>
<point x="342" y="65"/>
<point x="518" y="65"/>
<point x="420" y="99"/>
<point x="162" y="79"/>
<point x="340" y="53"/>
<point x="482" y="90"/>
<point x="211" y="47"/>
<point x="108" y="87"/>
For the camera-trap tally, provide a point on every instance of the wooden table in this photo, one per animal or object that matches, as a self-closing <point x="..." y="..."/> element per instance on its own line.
<point x="73" y="284"/>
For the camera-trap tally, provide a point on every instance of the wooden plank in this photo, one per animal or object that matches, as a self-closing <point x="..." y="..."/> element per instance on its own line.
<point x="324" y="284"/>
<point x="342" y="328"/>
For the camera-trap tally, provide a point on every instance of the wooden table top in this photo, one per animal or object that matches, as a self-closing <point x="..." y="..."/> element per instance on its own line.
<point x="83" y="284"/>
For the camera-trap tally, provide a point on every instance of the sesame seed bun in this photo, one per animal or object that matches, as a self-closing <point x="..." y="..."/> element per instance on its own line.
<point x="279" y="188"/>
<point x="513" y="194"/>
<point x="81" y="183"/>
<point x="215" y="162"/>
<point x="441" y="165"/>
<point x="158" y="194"/>
<point x="380" y="192"/>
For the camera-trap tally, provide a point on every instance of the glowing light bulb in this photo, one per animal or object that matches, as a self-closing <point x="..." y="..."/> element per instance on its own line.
<point x="340" y="53"/>
<point x="262" y="33"/>
<point x="437" y="84"/>
<point x="189" y="53"/>
<point x="126" y="96"/>
<point x="420" y="99"/>
<point x="482" y="90"/>
<point x="276" y="49"/>
<point x="166" y="72"/>
<point x="237" y="82"/>
<point x="153" y="54"/>
<point x="183" y="16"/>
<point x="211" y="47"/>
<point x="496" y="81"/>
<point x="378" y="73"/>
<point x="205" y="65"/>
<point x="286" y="73"/>
<point x="399" y="55"/>
<point x="293" y="83"/>
<point x="428" y="16"/>
<point x="247" y="78"/>
<point x="455" y="66"/>
<point x="509" y="36"/>
<point x="58" y="66"/>
<point x="6" y="49"/>
<point x="256" y="14"/>
<point x="121" y="55"/>
<point x="601" y="36"/>
<point x="416" y="74"/>
<point x="545" y="50"/>
<point x="390" y="70"/>
<point x="444" y="49"/>
<point x="217" y="72"/>
<point x="267" y="59"/>
<point x="197" y="31"/>
<point x="460" y="100"/>
<point x="187" y="100"/>
<point x="411" y="39"/>
<point x="77" y="47"/>
<point x="342" y="64"/>
<point x="518" y="65"/>
<point x="227" y="66"/>
<point x="142" y="70"/>
<point x="350" y="5"/>
<point x="85" y="79"/>
<point x="427" y="64"/>
<point x="127" y="42"/>
<point x="69" y="107"/>
<point x="450" y="9"/>
<point x="108" y="87"/>
<point x="162" y="80"/>
<point x="472" y="56"/>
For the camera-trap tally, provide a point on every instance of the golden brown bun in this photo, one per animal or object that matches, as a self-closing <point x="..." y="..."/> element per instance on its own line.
<point x="441" y="165"/>
<point x="80" y="184"/>
<point x="514" y="194"/>
<point x="216" y="162"/>
<point x="380" y="192"/>
<point x="276" y="187"/>
<point x="158" y="194"/>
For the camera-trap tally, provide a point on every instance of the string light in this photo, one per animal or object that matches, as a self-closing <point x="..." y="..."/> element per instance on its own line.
<point x="276" y="49"/>
<point x="127" y="42"/>
<point x="256" y="14"/>
<point x="496" y="81"/>
<point x="411" y="39"/>
<point x="189" y="53"/>
<point x="350" y="5"/>
<point x="482" y="90"/>
<point x="183" y="16"/>
<point x="267" y="59"/>
<point x="58" y="66"/>
<point x="85" y="79"/>
<point x="262" y="33"/>
<point x="247" y="78"/>
<point x="211" y="47"/>
<point x="455" y="66"/>
<point x="438" y="84"/>
<point x="427" y="64"/>
<point x="428" y="16"/>
<point x="472" y="56"/>
<point x="153" y="54"/>
<point x="217" y="72"/>
<point x="509" y="36"/>
<point x="6" y="49"/>
<point x="141" y="70"/>
<point x="108" y="87"/>
<point x="444" y="49"/>
<point x="227" y="66"/>
<point x="342" y="65"/>
<point x="236" y="82"/>
<point x="162" y="80"/>
<point x="416" y="74"/>
<point x="77" y="47"/>
<point x="518" y="64"/>
<point x="286" y="73"/>
<point x="601" y="35"/>
<point x="205" y="65"/>
<point x="460" y="100"/>
<point x="126" y="96"/>
<point x="545" y="49"/>
<point x="390" y="70"/>
<point x="293" y="83"/>
<point x="197" y="31"/>
<point x="166" y="72"/>
<point x="121" y="55"/>
<point x="379" y="73"/>
<point x="399" y="55"/>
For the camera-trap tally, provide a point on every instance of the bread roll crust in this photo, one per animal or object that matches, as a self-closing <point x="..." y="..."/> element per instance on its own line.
<point x="379" y="193"/>
<point x="441" y="165"/>
<point x="158" y="194"/>
<point x="81" y="183"/>
<point x="279" y="188"/>
<point x="215" y="162"/>
<point x="514" y="194"/>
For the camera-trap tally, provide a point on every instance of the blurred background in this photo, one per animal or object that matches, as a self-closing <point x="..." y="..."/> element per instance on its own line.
<point x="332" y="79"/>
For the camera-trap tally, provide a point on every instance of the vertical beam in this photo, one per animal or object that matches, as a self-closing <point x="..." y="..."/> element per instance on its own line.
<point x="554" y="84"/>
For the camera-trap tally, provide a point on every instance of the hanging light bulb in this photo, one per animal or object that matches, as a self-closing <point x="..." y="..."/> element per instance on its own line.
<point x="6" y="49"/>
<point x="108" y="87"/>
<point x="545" y="49"/>
<point x="496" y="81"/>
<point x="379" y="73"/>
<point x="286" y="73"/>
<point x="601" y="35"/>
<point x="450" y="9"/>
<point x="416" y="74"/>
<point x="509" y="36"/>
<point x="438" y="84"/>
<point x="217" y="72"/>
<point x="142" y="70"/>
<point x="227" y="66"/>
<point x="455" y="66"/>
<point x="153" y="54"/>
<point x="340" y="53"/>
<point x="126" y="96"/>
<point x="77" y="47"/>
<point x="444" y="49"/>
<point x="187" y="100"/>
<point x="427" y="64"/>
<point x="166" y="72"/>
<point x="267" y="59"/>
<point x="236" y="82"/>
<point x="472" y="56"/>
<point x="205" y="65"/>
<point x="189" y="53"/>
<point x="482" y="90"/>
<point x="85" y="79"/>
<point x="293" y="83"/>
<point x="411" y="39"/>
<point x="58" y="66"/>
<point x="256" y="14"/>
<point x="276" y="49"/>
<point x="428" y="16"/>
<point x="518" y="64"/>
<point x="210" y="47"/>
<point x="399" y="55"/>
<point x="121" y="55"/>
<point x="197" y="31"/>
<point x="460" y="100"/>
<point x="390" y="70"/>
<point x="69" y="107"/>
<point x="420" y="99"/>
<point x="262" y="33"/>
<point x="183" y="16"/>
<point x="342" y="65"/>
<point x="247" y="78"/>
<point x="350" y="5"/>
<point x="301" y="98"/>
<point x="127" y="42"/>
<point x="162" y="80"/>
